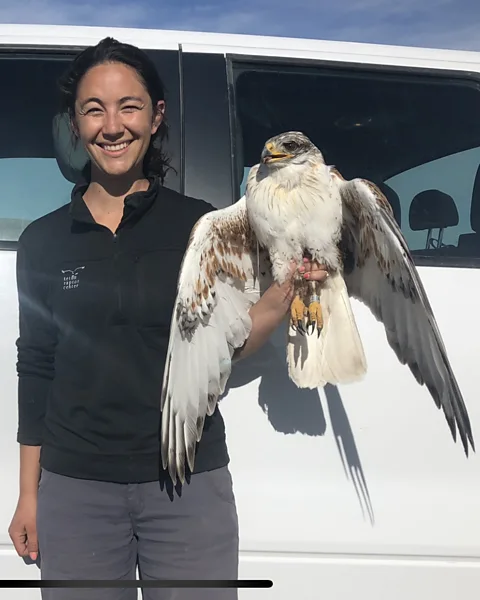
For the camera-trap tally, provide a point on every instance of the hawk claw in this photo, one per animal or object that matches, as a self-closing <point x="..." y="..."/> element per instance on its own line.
<point x="306" y="320"/>
<point x="315" y="317"/>
<point x="298" y="312"/>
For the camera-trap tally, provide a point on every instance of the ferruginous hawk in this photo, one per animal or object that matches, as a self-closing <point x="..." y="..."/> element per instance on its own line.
<point x="296" y="205"/>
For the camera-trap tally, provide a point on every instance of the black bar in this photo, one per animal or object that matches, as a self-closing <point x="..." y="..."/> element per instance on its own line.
<point x="121" y="583"/>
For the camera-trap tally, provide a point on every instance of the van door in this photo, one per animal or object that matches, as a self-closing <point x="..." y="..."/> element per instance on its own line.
<point x="356" y="491"/>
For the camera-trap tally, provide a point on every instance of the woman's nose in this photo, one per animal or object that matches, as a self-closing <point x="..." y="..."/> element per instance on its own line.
<point x="113" y="126"/>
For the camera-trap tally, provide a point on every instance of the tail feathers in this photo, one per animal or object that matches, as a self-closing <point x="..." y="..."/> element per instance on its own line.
<point x="337" y="355"/>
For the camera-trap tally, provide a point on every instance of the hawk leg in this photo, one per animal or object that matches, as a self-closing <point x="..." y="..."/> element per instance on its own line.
<point x="298" y="314"/>
<point x="315" y="314"/>
<point x="306" y="314"/>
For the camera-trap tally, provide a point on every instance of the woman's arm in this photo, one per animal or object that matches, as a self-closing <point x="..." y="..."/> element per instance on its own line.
<point x="270" y="310"/>
<point x="23" y="527"/>
<point x="37" y="339"/>
<point x="35" y="368"/>
<point x="29" y="470"/>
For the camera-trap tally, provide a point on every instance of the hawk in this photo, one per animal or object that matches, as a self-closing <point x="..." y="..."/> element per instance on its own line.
<point x="295" y="205"/>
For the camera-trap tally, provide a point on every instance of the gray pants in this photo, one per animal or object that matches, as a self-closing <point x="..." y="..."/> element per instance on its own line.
<point x="96" y="530"/>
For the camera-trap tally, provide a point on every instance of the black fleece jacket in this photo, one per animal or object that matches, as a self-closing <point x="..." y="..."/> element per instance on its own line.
<point x="95" y="310"/>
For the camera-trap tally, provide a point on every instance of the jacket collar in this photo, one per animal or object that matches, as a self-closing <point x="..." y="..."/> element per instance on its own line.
<point x="135" y="204"/>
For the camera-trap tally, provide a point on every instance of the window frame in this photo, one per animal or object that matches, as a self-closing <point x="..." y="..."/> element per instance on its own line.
<point x="245" y="62"/>
<point x="207" y="138"/>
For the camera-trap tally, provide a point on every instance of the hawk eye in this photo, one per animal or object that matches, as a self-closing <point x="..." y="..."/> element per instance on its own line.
<point x="290" y="146"/>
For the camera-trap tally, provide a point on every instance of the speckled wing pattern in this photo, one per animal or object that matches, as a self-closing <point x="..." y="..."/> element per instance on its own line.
<point x="383" y="276"/>
<point x="219" y="281"/>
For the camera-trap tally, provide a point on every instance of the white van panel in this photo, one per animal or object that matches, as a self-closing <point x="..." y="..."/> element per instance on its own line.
<point x="333" y="578"/>
<point x="381" y="479"/>
<point x="11" y="566"/>
<point x="327" y="577"/>
<point x="9" y="450"/>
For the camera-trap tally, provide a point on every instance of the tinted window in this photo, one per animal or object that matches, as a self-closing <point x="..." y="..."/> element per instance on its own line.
<point x="454" y="176"/>
<point x="417" y="136"/>
<point x="208" y="152"/>
<point x="33" y="182"/>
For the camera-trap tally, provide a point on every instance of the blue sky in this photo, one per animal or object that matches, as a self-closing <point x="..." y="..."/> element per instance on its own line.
<point x="430" y="23"/>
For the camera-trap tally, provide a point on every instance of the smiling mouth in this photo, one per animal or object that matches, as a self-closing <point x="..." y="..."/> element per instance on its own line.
<point x="114" y="148"/>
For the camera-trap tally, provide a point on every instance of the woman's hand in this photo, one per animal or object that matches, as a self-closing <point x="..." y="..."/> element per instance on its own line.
<point x="277" y="298"/>
<point x="268" y="312"/>
<point x="312" y="271"/>
<point x="23" y="527"/>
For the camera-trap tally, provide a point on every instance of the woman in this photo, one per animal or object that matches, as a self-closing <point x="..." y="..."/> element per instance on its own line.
<point x="96" y="283"/>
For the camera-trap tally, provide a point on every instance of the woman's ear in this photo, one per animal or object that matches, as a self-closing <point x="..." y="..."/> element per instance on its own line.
<point x="158" y="115"/>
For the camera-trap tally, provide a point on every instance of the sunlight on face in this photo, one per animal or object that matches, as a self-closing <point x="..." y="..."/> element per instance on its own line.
<point x="114" y="119"/>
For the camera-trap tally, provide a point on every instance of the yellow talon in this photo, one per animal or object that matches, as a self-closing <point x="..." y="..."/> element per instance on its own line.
<point x="315" y="316"/>
<point x="315" y="313"/>
<point x="298" y="312"/>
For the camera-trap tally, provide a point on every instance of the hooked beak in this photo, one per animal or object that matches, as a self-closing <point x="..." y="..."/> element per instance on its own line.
<point x="271" y="154"/>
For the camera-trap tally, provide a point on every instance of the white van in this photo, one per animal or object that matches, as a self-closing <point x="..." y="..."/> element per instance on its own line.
<point x="350" y="493"/>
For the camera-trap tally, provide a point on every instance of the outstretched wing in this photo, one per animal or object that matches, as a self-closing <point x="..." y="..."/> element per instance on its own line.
<point x="384" y="277"/>
<point x="217" y="285"/>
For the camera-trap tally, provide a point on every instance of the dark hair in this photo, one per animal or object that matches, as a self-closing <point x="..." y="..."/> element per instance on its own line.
<point x="108" y="50"/>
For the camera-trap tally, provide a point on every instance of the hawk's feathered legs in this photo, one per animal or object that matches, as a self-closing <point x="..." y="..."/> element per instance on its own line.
<point x="315" y="314"/>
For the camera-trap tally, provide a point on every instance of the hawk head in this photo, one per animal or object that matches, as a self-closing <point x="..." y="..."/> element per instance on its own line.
<point x="289" y="148"/>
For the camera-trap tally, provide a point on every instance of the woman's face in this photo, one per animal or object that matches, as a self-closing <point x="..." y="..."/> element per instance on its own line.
<point x="114" y="118"/>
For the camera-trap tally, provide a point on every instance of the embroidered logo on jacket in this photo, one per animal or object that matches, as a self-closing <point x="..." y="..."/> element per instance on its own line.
<point x="70" y="278"/>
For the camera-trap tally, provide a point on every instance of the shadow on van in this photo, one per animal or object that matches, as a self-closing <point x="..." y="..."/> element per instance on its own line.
<point x="347" y="449"/>
<point x="293" y="410"/>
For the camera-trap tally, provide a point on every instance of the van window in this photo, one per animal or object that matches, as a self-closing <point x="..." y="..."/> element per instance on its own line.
<point x="454" y="175"/>
<point x="31" y="182"/>
<point x="415" y="135"/>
